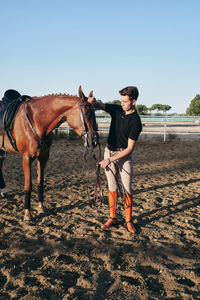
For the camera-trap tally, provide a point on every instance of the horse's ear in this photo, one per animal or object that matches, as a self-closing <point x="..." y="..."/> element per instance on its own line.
<point x="81" y="94"/>
<point x="90" y="94"/>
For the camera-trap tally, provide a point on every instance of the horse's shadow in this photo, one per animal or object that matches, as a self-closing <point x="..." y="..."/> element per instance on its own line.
<point x="142" y="220"/>
<point x="185" y="182"/>
<point x="163" y="170"/>
<point x="166" y="211"/>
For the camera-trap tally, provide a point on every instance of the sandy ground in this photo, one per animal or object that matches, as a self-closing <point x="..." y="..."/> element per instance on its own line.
<point x="66" y="255"/>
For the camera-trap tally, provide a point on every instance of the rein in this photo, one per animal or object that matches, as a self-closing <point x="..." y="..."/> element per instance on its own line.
<point x="98" y="183"/>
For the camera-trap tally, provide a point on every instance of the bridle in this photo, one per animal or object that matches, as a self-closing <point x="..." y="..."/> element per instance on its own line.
<point x="85" y="127"/>
<point x="87" y="135"/>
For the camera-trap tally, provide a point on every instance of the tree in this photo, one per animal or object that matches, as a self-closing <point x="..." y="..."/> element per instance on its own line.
<point x="194" y="107"/>
<point x="141" y="109"/>
<point x="160" y="107"/>
<point x="118" y="102"/>
<point x="154" y="107"/>
<point x="165" y="108"/>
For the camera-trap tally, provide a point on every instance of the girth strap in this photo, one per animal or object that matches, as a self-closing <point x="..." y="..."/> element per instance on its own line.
<point x="40" y="141"/>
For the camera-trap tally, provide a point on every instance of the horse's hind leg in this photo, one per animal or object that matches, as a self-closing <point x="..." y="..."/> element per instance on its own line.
<point x="40" y="181"/>
<point x="4" y="191"/>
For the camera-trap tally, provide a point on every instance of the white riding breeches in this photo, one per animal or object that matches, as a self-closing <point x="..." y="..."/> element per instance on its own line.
<point x="123" y="168"/>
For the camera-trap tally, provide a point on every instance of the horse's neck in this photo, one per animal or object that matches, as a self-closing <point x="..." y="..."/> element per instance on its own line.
<point x="54" y="111"/>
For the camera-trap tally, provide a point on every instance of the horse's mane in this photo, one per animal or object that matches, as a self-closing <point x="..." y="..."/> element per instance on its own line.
<point x="57" y="95"/>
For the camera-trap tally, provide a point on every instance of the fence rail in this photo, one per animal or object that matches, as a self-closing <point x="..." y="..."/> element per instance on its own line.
<point x="153" y="118"/>
<point x="156" y="126"/>
<point x="162" y="125"/>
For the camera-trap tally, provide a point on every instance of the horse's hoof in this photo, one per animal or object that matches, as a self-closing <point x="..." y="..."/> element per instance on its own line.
<point x="27" y="218"/>
<point x="40" y="210"/>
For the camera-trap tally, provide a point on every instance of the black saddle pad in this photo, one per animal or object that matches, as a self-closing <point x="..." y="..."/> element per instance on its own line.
<point x="8" y="113"/>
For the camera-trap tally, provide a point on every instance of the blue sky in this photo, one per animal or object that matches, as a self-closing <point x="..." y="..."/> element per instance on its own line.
<point x="54" y="46"/>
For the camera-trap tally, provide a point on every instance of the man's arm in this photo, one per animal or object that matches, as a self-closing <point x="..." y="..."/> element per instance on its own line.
<point x="95" y="104"/>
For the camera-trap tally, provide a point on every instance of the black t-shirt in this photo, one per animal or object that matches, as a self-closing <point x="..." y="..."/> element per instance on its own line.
<point x="122" y="126"/>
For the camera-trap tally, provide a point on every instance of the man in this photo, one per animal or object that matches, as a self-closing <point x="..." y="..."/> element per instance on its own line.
<point x="124" y="131"/>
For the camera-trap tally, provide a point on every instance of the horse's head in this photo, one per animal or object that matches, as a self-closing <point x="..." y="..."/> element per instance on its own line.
<point x="89" y="120"/>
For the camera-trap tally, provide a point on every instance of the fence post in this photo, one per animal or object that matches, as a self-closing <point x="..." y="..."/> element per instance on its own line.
<point x="165" y="127"/>
<point x="68" y="131"/>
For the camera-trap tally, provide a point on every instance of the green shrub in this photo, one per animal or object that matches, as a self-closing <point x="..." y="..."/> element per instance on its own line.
<point x="171" y="136"/>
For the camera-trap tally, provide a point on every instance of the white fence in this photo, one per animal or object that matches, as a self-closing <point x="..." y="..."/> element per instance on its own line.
<point x="161" y="125"/>
<point x="156" y="125"/>
<point x="170" y="128"/>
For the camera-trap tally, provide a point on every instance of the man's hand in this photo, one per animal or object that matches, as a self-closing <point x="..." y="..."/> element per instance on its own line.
<point x="95" y="103"/>
<point x="92" y="100"/>
<point x="104" y="164"/>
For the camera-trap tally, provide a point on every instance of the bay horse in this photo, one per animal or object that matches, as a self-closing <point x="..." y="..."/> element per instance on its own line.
<point x="32" y="132"/>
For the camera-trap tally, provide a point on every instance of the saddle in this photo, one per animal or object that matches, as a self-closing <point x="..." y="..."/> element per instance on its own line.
<point x="9" y="107"/>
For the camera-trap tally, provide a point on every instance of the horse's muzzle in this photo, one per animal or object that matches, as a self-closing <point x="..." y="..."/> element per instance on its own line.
<point x="91" y="139"/>
<point x="95" y="139"/>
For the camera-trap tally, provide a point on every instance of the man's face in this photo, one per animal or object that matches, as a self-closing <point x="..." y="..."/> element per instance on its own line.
<point x="127" y="104"/>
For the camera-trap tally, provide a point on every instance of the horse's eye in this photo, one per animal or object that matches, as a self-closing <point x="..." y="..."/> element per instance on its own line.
<point x="88" y="114"/>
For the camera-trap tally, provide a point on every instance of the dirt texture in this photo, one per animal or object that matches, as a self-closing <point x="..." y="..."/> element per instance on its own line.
<point x="65" y="254"/>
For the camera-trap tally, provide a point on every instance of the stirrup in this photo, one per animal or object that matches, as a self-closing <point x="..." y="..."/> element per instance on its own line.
<point x="109" y="223"/>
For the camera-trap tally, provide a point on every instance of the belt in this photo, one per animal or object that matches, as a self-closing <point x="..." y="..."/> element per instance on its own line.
<point x="114" y="149"/>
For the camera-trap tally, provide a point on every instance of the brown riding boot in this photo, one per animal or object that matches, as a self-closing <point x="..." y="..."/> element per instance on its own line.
<point x="112" y="200"/>
<point x="128" y="202"/>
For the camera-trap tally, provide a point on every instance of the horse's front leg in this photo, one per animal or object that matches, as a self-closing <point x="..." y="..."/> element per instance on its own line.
<point x="40" y="181"/>
<point x="27" y="162"/>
